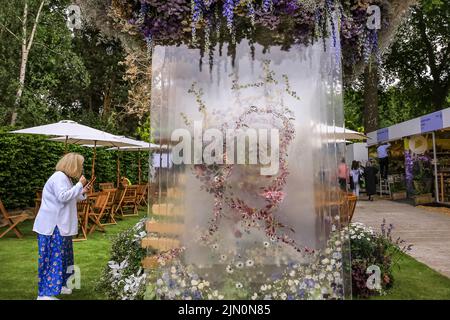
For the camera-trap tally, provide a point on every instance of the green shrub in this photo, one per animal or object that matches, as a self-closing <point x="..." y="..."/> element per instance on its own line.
<point x="373" y="249"/>
<point x="123" y="277"/>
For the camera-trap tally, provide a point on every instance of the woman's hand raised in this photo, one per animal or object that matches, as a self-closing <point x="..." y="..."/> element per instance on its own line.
<point x="83" y="180"/>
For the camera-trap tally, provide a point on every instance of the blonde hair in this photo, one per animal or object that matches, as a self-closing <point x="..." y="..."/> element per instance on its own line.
<point x="71" y="164"/>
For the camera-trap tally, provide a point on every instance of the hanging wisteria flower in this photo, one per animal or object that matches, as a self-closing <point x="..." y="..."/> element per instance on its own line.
<point x="267" y="5"/>
<point x="251" y="11"/>
<point x="196" y="16"/>
<point x="228" y="13"/>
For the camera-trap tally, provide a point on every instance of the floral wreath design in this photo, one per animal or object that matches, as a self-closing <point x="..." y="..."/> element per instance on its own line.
<point x="214" y="177"/>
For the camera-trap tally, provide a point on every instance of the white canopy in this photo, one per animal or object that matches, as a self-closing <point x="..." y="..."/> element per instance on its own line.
<point x="145" y="146"/>
<point x="340" y="133"/>
<point x="105" y="140"/>
<point x="63" y="128"/>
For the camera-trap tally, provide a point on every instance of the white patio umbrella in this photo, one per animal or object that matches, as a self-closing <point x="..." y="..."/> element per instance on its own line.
<point x="73" y="132"/>
<point x="101" y="139"/>
<point x="64" y="129"/>
<point x="145" y="146"/>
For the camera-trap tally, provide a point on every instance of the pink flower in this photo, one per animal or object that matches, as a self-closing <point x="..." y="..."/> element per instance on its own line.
<point x="273" y="196"/>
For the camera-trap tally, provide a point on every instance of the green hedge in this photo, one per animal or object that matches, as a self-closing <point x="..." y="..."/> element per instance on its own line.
<point x="27" y="161"/>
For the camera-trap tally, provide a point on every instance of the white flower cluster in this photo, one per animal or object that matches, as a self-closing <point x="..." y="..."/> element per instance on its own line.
<point x="128" y="286"/>
<point x="359" y="231"/>
<point x="133" y="285"/>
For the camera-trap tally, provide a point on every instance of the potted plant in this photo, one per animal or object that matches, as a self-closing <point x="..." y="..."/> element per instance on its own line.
<point x="398" y="190"/>
<point x="422" y="179"/>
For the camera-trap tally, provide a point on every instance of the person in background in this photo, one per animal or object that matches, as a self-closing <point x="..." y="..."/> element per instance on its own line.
<point x="383" y="158"/>
<point x="56" y="223"/>
<point x="355" y="174"/>
<point x="370" y="175"/>
<point x="125" y="182"/>
<point x="343" y="175"/>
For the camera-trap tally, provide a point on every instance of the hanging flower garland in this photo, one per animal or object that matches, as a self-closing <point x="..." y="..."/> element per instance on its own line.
<point x="215" y="179"/>
<point x="267" y="22"/>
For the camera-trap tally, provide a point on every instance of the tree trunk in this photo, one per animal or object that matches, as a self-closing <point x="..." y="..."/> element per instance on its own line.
<point x="440" y="94"/>
<point x="107" y="98"/>
<point x="371" y="97"/>
<point x="26" y="46"/>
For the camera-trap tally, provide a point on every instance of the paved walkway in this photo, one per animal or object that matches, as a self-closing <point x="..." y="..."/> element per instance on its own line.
<point x="429" y="232"/>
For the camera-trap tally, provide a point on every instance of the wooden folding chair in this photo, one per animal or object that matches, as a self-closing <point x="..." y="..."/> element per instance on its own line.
<point x="82" y="211"/>
<point x="97" y="211"/>
<point x="128" y="200"/>
<point x="37" y="202"/>
<point x="12" y="221"/>
<point x="106" y="185"/>
<point x="142" y="192"/>
<point x="110" y="209"/>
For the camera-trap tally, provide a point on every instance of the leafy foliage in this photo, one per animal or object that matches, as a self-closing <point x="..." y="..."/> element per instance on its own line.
<point x="419" y="57"/>
<point x="123" y="277"/>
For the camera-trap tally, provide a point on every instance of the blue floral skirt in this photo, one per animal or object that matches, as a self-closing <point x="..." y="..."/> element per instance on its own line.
<point x="55" y="256"/>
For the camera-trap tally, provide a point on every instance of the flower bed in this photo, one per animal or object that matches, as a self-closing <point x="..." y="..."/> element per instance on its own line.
<point x="123" y="277"/>
<point x="369" y="248"/>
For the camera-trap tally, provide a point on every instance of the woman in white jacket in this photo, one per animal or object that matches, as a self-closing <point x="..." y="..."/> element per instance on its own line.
<point x="56" y="223"/>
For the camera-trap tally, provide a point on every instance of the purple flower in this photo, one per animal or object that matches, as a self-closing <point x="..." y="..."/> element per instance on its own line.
<point x="267" y="5"/>
<point x="310" y="283"/>
<point x="228" y="12"/>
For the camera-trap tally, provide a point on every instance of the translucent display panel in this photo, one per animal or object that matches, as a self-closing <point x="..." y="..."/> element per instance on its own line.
<point x="249" y="205"/>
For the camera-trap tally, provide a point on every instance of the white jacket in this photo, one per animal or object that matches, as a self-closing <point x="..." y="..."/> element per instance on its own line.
<point x="59" y="206"/>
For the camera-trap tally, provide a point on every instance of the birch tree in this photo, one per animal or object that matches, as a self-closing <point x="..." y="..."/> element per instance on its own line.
<point x="26" y="45"/>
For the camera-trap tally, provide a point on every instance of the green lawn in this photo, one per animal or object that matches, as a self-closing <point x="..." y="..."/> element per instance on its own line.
<point x="414" y="280"/>
<point x="18" y="268"/>
<point x="18" y="262"/>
